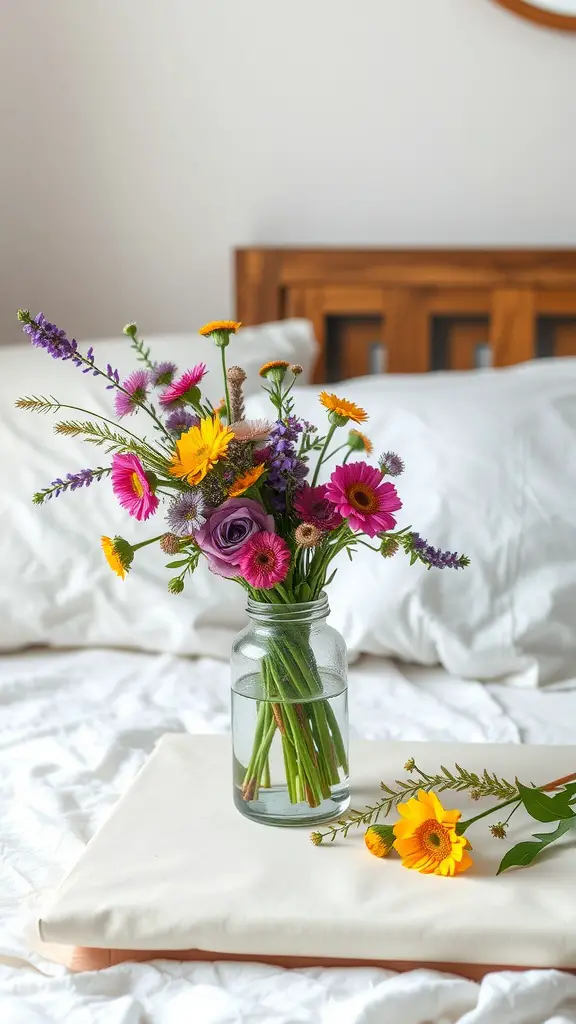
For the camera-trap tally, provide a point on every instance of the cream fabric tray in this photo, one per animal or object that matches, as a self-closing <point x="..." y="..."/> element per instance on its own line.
<point x="176" y="868"/>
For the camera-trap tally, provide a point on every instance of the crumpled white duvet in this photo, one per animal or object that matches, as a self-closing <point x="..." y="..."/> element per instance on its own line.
<point x="74" y="729"/>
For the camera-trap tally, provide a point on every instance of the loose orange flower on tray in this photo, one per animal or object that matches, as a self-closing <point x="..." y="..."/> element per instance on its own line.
<point x="427" y="840"/>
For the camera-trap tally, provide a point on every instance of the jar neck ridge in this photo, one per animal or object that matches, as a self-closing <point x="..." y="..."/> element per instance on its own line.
<point x="303" y="612"/>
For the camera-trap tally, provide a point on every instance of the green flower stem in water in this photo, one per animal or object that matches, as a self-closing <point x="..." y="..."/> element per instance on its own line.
<point x="312" y="746"/>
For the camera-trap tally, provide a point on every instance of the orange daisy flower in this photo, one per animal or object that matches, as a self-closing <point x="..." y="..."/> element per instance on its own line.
<point x="219" y="325"/>
<point x="343" y="408"/>
<point x="275" y="364"/>
<point x="359" y="442"/>
<point x="248" y="479"/>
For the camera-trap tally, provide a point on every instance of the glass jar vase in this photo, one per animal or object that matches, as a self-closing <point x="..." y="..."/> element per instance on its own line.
<point x="290" y="715"/>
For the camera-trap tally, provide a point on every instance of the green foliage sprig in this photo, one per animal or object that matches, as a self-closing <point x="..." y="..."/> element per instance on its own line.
<point x="142" y="351"/>
<point x="113" y="440"/>
<point x="188" y="563"/>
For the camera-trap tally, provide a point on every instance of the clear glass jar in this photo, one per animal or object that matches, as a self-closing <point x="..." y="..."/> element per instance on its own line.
<point x="290" y="715"/>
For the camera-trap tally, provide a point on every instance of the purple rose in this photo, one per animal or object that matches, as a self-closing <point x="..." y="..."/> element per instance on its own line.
<point x="227" y="529"/>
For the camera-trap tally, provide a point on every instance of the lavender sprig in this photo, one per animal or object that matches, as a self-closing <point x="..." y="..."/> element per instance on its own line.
<point x="434" y="558"/>
<point x="55" y="341"/>
<point x="72" y="482"/>
<point x="286" y="470"/>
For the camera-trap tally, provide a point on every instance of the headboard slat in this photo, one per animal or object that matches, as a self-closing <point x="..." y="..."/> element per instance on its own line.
<point x="429" y="308"/>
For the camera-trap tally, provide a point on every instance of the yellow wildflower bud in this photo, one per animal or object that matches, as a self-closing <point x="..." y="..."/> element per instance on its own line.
<point x="379" y="839"/>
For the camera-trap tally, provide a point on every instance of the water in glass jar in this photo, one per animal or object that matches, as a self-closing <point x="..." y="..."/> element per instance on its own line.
<point x="290" y="756"/>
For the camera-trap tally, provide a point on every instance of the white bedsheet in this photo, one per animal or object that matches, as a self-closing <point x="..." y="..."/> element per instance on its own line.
<point x="74" y="729"/>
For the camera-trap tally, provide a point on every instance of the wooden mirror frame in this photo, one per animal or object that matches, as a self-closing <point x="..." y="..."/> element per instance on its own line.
<point x="564" y="22"/>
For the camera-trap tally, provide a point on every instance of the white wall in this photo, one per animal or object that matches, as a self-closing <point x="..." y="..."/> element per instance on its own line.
<point x="142" y="139"/>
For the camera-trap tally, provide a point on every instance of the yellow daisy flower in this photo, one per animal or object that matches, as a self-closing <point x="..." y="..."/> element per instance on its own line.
<point x="118" y="560"/>
<point x="199" y="449"/>
<point x="359" y="442"/>
<point x="248" y="479"/>
<point x="219" y="325"/>
<point x="342" y="408"/>
<point x="426" y="837"/>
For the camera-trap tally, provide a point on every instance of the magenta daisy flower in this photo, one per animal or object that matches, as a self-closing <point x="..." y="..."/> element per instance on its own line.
<point x="136" y="387"/>
<point x="183" y="389"/>
<point x="131" y="486"/>
<point x="312" y="506"/>
<point x="264" y="560"/>
<point x="359" y="494"/>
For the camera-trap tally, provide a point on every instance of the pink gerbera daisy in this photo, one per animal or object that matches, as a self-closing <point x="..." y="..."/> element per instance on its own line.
<point x="312" y="506"/>
<point x="135" y="392"/>
<point x="131" y="487"/>
<point x="264" y="560"/>
<point x="359" y="494"/>
<point x="183" y="389"/>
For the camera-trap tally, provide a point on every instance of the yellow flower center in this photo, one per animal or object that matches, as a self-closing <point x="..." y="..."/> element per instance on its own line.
<point x="435" y="839"/>
<point x="137" y="485"/>
<point x="362" y="498"/>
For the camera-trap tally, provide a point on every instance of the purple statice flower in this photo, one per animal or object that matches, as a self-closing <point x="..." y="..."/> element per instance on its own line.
<point x="186" y="514"/>
<point x="391" y="464"/>
<point x="162" y="374"/>
<point x="434" y="558"/>
<point x="180" y="420"/>
<point x="135" y="392"/>
<point x="285" y="470"/>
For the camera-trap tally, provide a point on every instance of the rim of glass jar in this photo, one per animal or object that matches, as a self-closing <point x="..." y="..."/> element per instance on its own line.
<point x="300" y="611"/>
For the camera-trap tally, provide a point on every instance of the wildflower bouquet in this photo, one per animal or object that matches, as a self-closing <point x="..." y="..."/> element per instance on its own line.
<point x="243" y="495"/>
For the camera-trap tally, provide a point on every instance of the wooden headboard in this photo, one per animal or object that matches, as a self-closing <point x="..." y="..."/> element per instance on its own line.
<point x="409" y="311"/>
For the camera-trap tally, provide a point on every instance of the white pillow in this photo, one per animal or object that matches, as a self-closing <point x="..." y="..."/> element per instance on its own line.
<point x="490" y="471"/>
<point x="55" y="587"/>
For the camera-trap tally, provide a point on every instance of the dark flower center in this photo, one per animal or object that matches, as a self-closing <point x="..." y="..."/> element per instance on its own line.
<point x="362" y="498"/>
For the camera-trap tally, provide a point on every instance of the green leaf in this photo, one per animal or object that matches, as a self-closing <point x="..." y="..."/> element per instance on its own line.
<point x="413" y="557"/>
<point x="550" y="837"/>
<point x="570" y="790"/>
<point x="524" y="853"/>
<point x="520" y="856"/>
<point x="543" y="807"/>
<point x="176" y="565"/>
